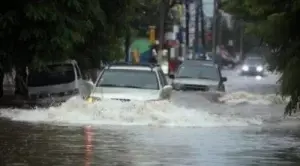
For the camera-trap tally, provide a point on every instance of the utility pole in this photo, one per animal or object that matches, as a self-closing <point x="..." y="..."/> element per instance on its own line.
<point x="220" y="30"/>
<point x="161" y="27"/>
<point x="187" y="24"/>
<point x="127" y="45"/>
<point x="214" y="33"/>
<point x="196" y="44"/>
<point x="202" y="24"/>
<point x="241" y="39"/>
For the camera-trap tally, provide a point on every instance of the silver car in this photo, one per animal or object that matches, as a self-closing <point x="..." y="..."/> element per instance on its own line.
<point x="199" y="76"/>
<point x="253" y="66"/>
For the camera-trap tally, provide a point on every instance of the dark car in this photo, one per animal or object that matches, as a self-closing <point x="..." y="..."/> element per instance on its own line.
<point x="253" y="66"/>
<point x="196" y="75"/>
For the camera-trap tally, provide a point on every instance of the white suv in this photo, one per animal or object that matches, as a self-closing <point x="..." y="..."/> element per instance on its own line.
<point x="56" y="84"/>
<point x="126" y="82"/>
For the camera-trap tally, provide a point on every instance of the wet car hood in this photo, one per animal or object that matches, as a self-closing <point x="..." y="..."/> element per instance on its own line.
<point x="126" y="93"/>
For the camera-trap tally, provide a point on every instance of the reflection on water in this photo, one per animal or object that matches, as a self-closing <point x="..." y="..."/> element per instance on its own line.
<point x="46" y="145"/>
<point x="88" y="136"/>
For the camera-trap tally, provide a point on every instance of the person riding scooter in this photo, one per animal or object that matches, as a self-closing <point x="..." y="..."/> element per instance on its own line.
<point x="226" y="59"/>
<point x="153" y="57"/>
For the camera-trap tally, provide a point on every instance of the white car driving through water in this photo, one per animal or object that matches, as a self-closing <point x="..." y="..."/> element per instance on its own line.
<point x="131" y="82"/>
<point x="198" y="75"/>
<point x="56" y="83"/>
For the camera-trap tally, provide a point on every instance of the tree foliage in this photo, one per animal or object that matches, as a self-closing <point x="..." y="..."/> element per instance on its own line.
<point x="275" y="22"/>
<point x="148" y="14"/>
<point x="35" y="32"/>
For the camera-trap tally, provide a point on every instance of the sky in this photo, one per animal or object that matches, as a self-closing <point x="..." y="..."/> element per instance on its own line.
<point x="208" y="7"/>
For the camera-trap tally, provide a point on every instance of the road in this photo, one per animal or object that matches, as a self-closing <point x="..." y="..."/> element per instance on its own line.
<point x="246" y="128"/>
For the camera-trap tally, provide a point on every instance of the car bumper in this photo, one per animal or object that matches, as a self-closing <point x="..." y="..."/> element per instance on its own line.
<point x="125" y="100"/>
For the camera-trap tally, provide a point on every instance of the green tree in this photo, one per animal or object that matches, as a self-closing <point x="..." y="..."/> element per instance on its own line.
<point x="147" y="13"/>
<point x="105" y="41"/>
<point x="33" y="33"/>
<point x="275" y="22"/>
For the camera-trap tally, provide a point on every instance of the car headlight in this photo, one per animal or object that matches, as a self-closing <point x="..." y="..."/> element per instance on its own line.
<point x="92" y="99"/>
<point x="245" y="68"/>
<point x="259" y="68"/>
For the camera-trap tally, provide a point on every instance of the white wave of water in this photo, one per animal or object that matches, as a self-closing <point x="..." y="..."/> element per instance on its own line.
<point x="250" y="90"/>
<point x="162" y="113"/>
<point x="204" y="113"/>
<point x="243" y="97"/>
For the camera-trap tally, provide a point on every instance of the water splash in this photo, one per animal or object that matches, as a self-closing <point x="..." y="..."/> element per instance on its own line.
<point x="159" y="113"/>
<point x="242" y="97"/>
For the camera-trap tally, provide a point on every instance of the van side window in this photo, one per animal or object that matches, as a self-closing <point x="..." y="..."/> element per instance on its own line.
<point x="162" y="78"/>
<point x="78" y="73"/>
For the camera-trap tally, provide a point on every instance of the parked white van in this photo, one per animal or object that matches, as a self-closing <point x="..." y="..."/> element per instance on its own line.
<point x="57" y="83"/>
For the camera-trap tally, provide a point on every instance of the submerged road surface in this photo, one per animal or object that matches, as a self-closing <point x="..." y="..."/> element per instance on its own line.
<point x="247" y="128"/>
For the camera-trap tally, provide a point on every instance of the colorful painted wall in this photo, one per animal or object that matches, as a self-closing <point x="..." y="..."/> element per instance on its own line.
<point x="143" y="48"/>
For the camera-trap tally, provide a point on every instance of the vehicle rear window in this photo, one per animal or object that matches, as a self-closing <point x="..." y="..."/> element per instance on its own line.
<point x="52" y="75"/>
<point x="199" y="72"/>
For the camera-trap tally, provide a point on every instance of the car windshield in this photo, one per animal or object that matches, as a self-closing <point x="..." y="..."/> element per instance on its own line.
<point x="52" y="75"/>
<point x="254" y="61"/>
<point x="128" y="79"/>
<point x="199" y="71"/>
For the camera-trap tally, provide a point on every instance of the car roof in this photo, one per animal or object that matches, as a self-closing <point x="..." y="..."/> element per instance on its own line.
<point x="130" y="66"/>
<point x="199" y="62"/>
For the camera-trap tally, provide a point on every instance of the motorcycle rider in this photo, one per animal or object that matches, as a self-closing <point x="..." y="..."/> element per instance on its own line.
<point x="153" y="56"/>
<point x="226" y="59"/>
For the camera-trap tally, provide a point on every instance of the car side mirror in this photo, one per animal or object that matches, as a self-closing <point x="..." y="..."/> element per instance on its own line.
<point x="90" y="82"/>
<point x="171" y="76"/>
<point x="166" y="91"/>
<point x="224" y="79"/>
<point x="167" y="87"/>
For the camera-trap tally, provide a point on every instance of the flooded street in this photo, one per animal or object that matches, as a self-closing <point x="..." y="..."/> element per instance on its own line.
<point x="247" y="128"/>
